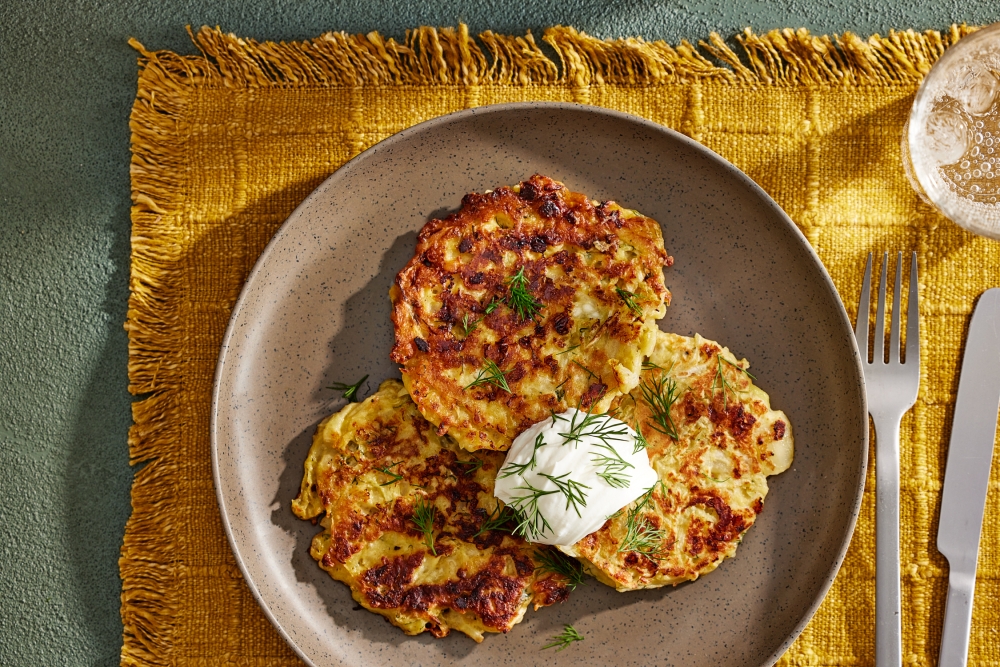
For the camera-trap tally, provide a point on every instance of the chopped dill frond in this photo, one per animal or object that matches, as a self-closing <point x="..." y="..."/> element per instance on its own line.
<point x="613" y="468"/>
<point x="640" y="440"/>
<point x="568" y="349"/>
<point x="629" y="299"/>
<point x="559" y="391"/>
<point x="567" y="637"/>
<point x="587" y="370"/>
<point x="520" y="299"/>
<point x="469" y="327"/>
<point x="388" y="471"/>
<point x="499" y="517"/>
<point x="573" y="490"/>
<point x="721" y="381"/>
<point x="738" y="367"/>
<point x="491" y="374"/>
<point x="531" y="523"/>
<point x="553" y="560"/>
<point x="350" y="390"/>
<point x="473" y="464"/>
<point x="606" y="432"/>
<point x="592" y="425"/>
<point x="423" y="519"/>
<point x="660" y="394"/>
<point x="510" y="469"/>
<point x="640" y="535"/>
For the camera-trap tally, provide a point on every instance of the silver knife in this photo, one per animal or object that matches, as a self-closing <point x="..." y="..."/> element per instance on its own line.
<point x="967" y="474"/>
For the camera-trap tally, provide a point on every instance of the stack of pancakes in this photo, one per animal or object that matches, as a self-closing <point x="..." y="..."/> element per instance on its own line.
<point x="532" y="300"/>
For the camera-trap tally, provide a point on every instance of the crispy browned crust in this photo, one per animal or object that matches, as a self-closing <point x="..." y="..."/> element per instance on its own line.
<point x="713" y="474"/>
<point x="584" y="346"/>
<point x="474" y="583"/>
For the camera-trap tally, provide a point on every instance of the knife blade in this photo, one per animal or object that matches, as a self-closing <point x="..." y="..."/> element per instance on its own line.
<point x="967" y="473"/>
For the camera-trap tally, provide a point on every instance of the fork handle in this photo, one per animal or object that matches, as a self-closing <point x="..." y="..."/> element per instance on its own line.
<point x="888" y="625"/>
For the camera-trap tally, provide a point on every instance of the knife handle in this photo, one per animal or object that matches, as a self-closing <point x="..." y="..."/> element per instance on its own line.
<point x="957" y="620"/>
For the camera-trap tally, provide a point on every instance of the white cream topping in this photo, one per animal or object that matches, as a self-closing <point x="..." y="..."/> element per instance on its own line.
<point x="566" y="475"/>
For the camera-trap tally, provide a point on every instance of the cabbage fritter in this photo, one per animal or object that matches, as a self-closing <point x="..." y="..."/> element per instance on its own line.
<point x="411" y="524"/>
<point x="529" y="299"/>
<point x="713" y="440"/>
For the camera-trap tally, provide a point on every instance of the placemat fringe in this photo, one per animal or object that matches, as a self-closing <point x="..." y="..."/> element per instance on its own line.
<point x="149" y="591"/>
<point x="794" y="57"/>
<point x="451" y="56"/>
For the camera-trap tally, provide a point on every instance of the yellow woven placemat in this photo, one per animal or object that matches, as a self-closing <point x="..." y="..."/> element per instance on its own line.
<point x="227" y="143"/>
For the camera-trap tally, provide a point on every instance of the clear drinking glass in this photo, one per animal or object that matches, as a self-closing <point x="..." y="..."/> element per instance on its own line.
<point x="951" y="143"/>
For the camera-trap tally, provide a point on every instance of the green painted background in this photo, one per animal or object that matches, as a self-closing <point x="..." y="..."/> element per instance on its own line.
<point x="67" y="79"/>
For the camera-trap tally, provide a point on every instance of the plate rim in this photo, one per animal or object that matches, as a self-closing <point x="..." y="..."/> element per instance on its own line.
<point x="506" y="107"/>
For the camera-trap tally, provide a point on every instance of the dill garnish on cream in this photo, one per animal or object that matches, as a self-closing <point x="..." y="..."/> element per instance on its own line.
<point x="565" y="475"/>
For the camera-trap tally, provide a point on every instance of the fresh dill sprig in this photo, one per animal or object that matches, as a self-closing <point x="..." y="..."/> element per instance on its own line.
<point x="567" y="637"/>
<point x="469" y="327"/>
<point x="629" y="299"/>
<point x="593" y="425"/>
<point x="606" y="432"/>
<point x="473" y="465"/>
<point x="738" y="367"/>
<point x="552" y="560"/>
<point x="520" y="299"/>
<point x="388" y="471"/>
<point x="649" y="365"/>
<point x="568" y="349"/>
<point x="350" y="390"/>
<point x="423" y="519"/>
<point x="496" y="520"/>
<point x="640" y="535"/>
<point x="589" y="372"/>
<point x="491" y="374"/>
<point x="614" y="467"/>
<point x="530" y="521"/>
<point x="510" y="469"/>
<point x="660" y="395"/>
<point x="720" y="380"/>
<point x="559" y="391"/>
<point x="640" y="440"/>
<point x="570" y="488"/>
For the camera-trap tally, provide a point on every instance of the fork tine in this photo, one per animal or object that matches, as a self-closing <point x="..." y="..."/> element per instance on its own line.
<point x="879" y="354"/>
<point x="913" y="318"/>
<point x="864" y="303"/>
<point x="897" y="308"/>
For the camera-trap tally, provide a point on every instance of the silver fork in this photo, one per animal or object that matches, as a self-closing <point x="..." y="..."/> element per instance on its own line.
<point x="892" y="390"/>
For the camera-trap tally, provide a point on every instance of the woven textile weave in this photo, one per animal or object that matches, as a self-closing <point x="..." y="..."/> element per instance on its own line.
<point x="227" y="143"/>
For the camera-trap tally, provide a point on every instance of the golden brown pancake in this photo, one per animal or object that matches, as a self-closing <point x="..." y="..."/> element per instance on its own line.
<point x="712" y="454"/>
<point x="404" y="513"/>
<point x="527" y="300"/>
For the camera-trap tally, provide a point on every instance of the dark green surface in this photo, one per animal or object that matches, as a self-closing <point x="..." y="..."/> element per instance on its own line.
<point x="67" y="78"/>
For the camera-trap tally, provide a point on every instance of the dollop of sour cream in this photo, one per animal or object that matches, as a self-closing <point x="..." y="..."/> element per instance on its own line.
<point x="567" y="474"/>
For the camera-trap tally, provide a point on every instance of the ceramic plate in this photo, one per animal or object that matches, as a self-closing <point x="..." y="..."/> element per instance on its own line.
<point x="315" y="310"/>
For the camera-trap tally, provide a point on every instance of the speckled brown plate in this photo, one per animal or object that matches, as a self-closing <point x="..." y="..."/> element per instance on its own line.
<point x="316" y="310"/>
